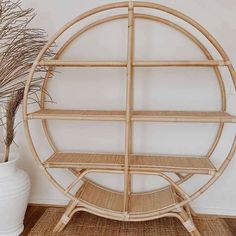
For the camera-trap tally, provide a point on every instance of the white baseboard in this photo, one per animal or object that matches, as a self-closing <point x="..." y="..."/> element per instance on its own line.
<point x="215" y="211"/>
<point x="201" y="210"/>
<point x="49" y="201"/>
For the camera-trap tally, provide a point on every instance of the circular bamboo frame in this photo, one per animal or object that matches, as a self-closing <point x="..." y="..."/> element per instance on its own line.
<point x="131" y="16"/>
<point x="147" y="17"/>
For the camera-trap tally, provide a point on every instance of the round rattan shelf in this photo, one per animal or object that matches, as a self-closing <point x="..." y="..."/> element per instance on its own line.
<point x="171" y="200"/>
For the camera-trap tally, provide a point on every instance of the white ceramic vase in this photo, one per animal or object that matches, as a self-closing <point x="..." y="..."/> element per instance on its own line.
<point x="14" y="196"/>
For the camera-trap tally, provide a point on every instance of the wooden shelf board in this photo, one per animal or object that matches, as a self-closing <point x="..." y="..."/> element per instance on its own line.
<point x="102" y="198"/>
<point x="78" y="115"/>
<point x="177" y="164"/>
<point x="153" y="201"/>
<point x="183" y="116"/>
<point x="70" y="63"/>
<point x="152" y="116"/>
<point x="85" y="160"/>
<point x="153" y="63"/>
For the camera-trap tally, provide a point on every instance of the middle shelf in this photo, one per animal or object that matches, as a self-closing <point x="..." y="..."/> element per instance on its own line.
<point x="175" y="164"/>
<point x="158" y="116"/>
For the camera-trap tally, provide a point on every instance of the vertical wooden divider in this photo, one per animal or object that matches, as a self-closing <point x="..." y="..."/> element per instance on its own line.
<point x="129" y="107"/>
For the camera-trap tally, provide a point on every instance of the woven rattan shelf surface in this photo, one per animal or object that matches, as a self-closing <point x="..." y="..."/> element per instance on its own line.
<point x="161" y="116"/>
<point x="197" y="165"/>
<point x="139" y="202"/>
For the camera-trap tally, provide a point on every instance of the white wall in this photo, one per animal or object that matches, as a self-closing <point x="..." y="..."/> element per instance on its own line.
<point x="193" y="88"/>
<point x="1" y="138"/>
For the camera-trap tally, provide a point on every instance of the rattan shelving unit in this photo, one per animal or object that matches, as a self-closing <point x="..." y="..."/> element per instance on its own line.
<point x="169" y="201"/>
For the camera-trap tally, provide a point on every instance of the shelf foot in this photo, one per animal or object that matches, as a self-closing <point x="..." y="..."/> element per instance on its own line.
<point x="187" y="221"/>
<point x="83" y="197"/>
<point x="66" y="217"/>
<point x="59" y="227"/>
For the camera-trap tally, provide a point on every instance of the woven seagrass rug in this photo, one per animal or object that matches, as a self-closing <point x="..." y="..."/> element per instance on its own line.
<point x="84" y="224"/>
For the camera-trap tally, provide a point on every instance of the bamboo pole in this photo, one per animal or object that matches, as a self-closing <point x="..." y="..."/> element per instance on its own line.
<point x="129" y="106"/>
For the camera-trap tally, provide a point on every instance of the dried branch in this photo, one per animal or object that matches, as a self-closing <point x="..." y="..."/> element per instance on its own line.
<point x="20" y="44"/>
<point x="11" y="109"/>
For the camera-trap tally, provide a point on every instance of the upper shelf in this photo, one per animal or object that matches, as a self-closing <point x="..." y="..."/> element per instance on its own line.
<point x="184" y="63"/>
<point x="58" y="114"/>
<point x="176" y="164"/>
<point x="158" y="116"/>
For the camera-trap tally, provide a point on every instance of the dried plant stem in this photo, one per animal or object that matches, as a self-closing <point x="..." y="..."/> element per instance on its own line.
<point x="11" y="110"/>
<point x="19" y="46"/>
<point x="6" y="154"/>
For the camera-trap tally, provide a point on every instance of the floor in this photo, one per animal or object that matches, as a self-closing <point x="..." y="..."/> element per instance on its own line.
<point x="35" y="212"/>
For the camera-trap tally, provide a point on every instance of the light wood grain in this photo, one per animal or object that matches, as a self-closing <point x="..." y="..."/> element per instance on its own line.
<point x="155" y="116"/>
<point x="156" y="63"/>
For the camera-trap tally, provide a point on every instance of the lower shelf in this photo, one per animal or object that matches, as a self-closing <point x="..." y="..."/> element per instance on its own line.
<point x="176" y="164"/>
<point x="94" y="196"/>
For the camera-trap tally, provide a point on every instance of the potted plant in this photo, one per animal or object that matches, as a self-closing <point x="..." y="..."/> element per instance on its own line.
<point x="19" y="46"/>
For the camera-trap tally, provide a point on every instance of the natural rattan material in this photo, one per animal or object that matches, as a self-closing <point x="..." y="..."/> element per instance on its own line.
<point x="178" y="164"/>
<point x="84" y="224"/>
<point x="76" y="160"/>
<point x="132" y="164"/>
<point x="139" y="203"/>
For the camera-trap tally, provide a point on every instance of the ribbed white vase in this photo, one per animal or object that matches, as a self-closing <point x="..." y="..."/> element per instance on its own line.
<point x="14" y="195"/>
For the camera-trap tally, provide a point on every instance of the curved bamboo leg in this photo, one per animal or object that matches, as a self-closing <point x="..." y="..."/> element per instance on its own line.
<point x="188" y="223"/>
<point x="66" y="217"/>
<point x="192" y="212"/>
